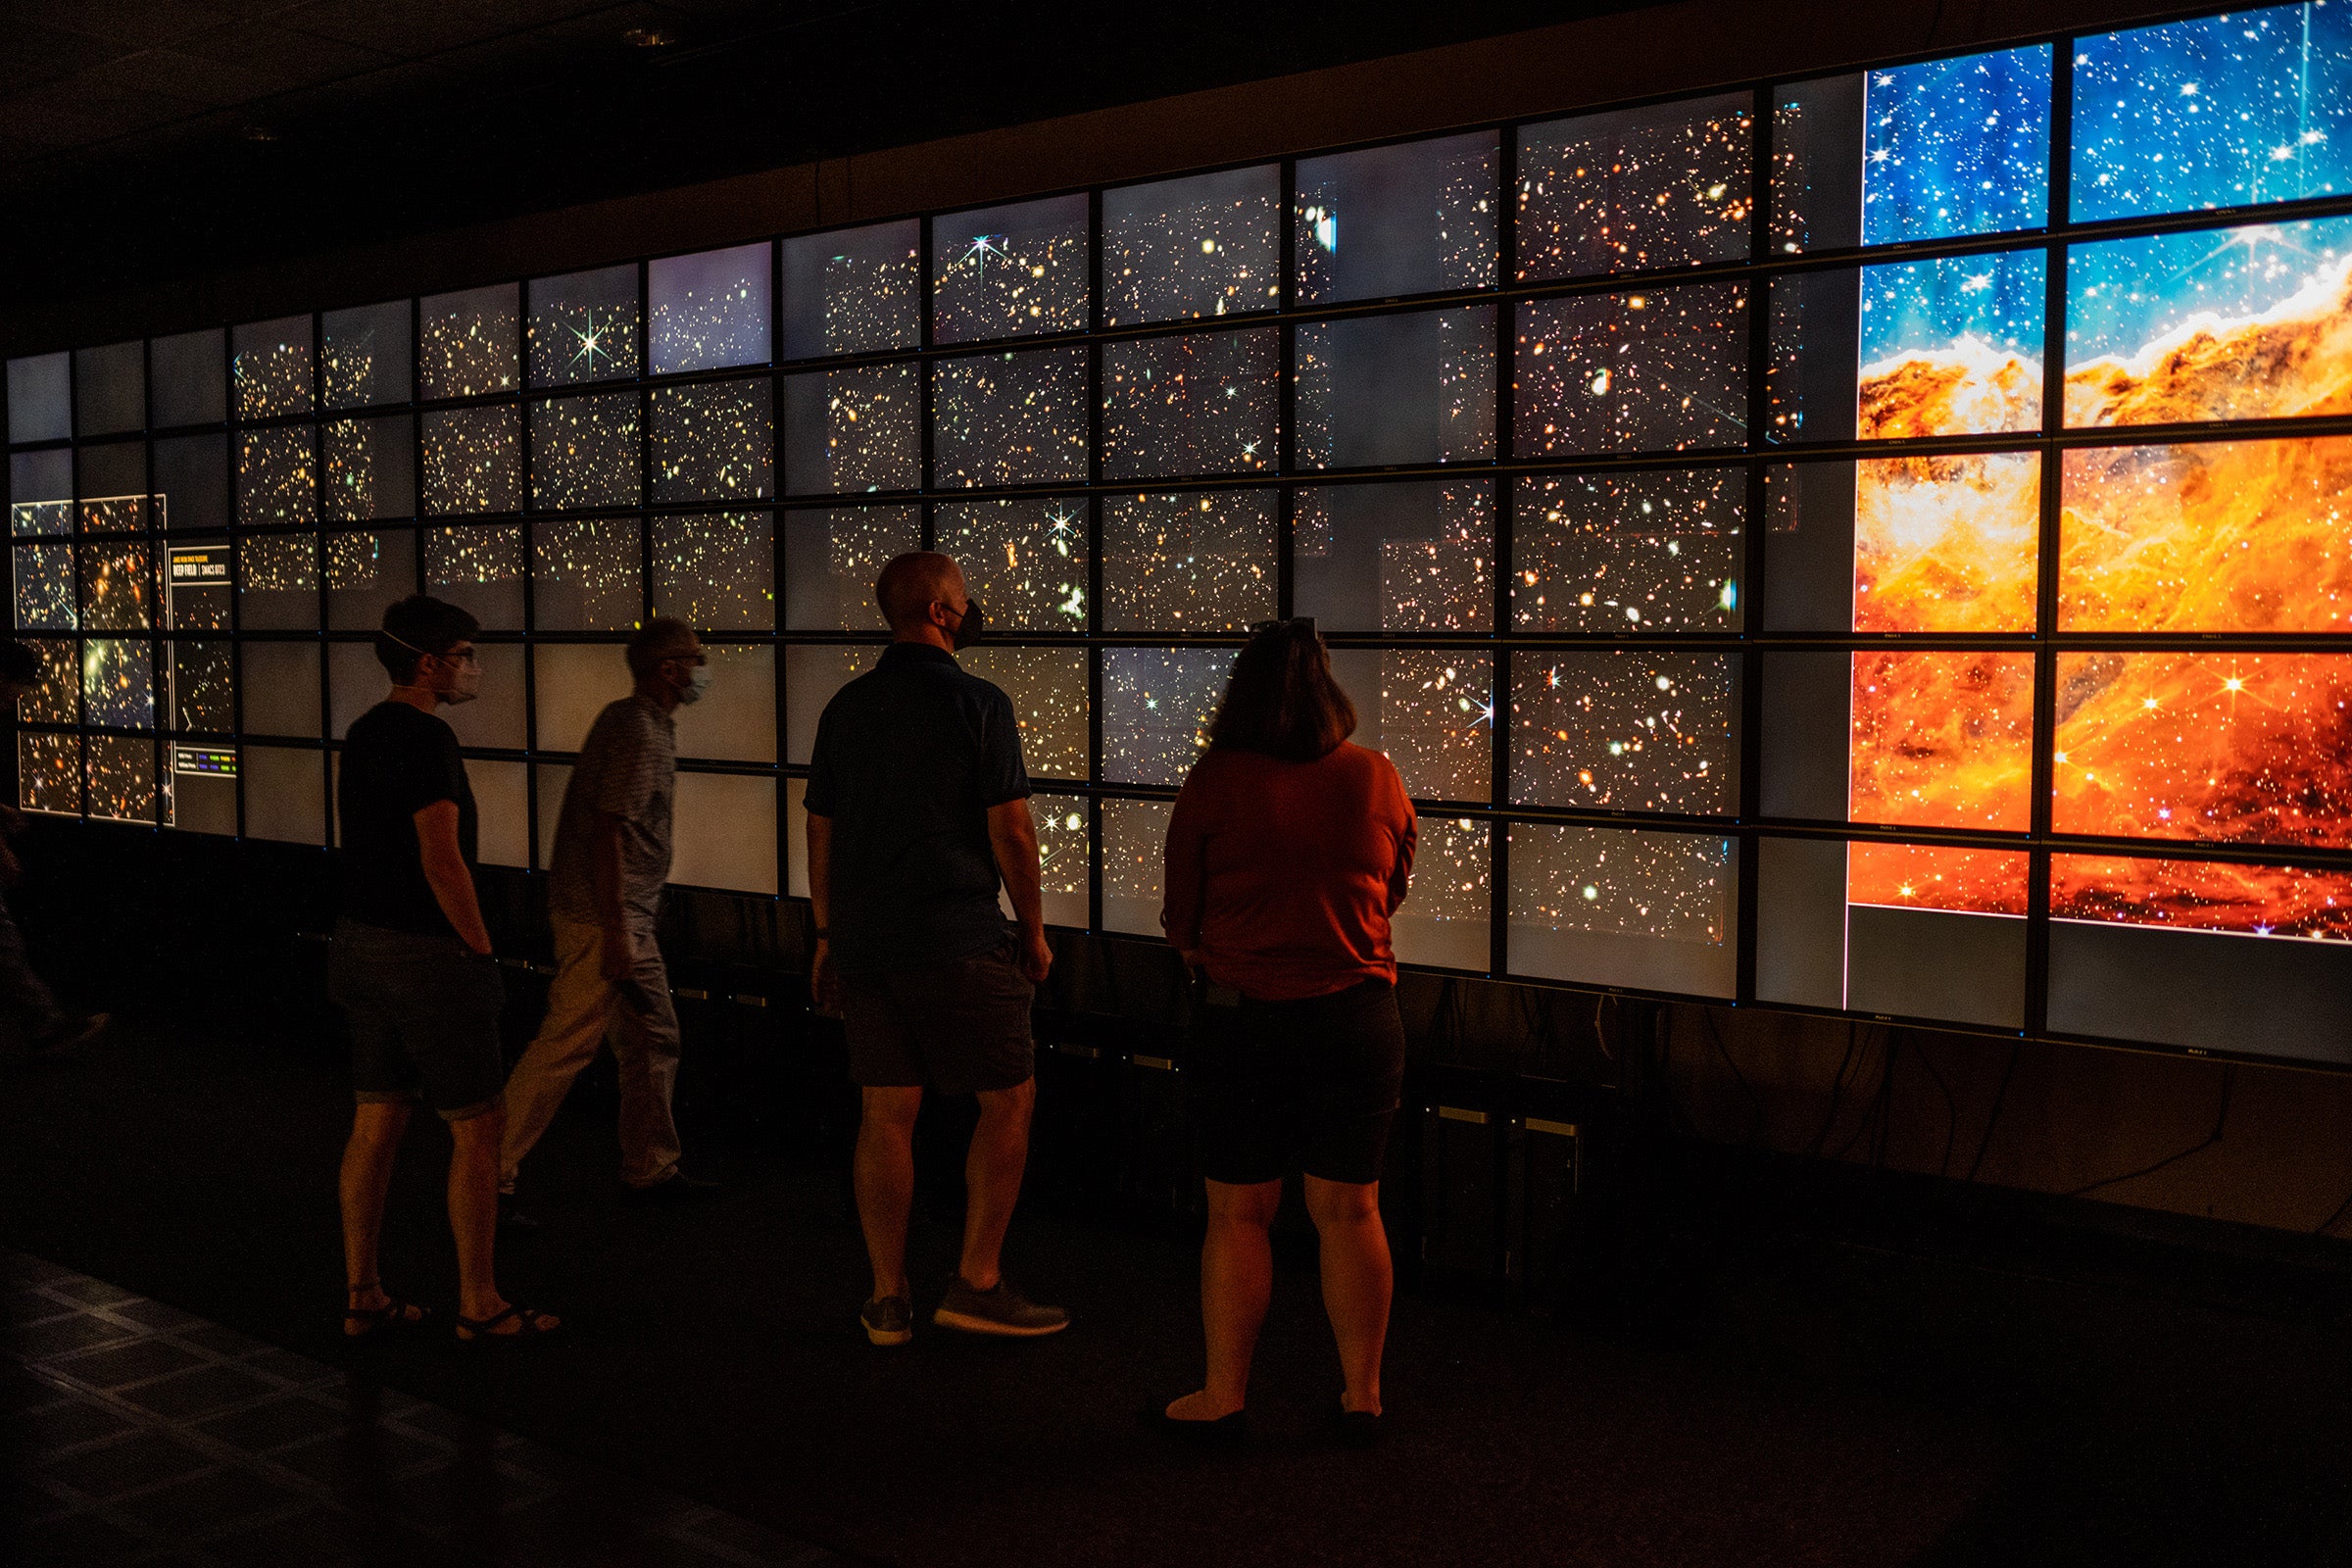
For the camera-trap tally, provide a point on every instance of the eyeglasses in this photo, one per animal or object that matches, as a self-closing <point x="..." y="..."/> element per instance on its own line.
<point x="1308" y="622"/>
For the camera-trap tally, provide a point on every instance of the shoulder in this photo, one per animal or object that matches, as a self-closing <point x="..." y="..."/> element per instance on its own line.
<point x="1371" y="768"/>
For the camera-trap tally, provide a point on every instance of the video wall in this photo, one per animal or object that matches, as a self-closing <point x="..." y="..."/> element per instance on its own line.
<point x="1878" y="544"/>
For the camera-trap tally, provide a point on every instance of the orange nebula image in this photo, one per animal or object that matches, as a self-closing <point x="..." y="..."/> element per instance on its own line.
<point x="2228" y="536"/>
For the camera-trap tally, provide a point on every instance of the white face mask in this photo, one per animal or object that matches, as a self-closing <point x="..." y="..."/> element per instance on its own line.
<point x="697" y="681"/>
<point x="465" y="684"/>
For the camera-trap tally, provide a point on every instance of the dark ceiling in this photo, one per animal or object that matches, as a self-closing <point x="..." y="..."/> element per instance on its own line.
<point x="148" y="141"/>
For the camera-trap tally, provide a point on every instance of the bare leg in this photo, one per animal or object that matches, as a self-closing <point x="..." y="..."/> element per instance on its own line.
<point x="1357" y="1280"/>
<point x="992" y="1178"/>
<point x="474" y="1209"/>
<point x="1237" y="1282"/>
<point x="376" y="1128"/>
<point x="885" y="1180"/>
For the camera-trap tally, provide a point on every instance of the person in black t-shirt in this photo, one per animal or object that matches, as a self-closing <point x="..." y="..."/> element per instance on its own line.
<point x="918" y="808"/>
<point x="410" y="969"/>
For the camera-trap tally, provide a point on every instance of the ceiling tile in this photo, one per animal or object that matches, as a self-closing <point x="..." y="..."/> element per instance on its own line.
<point x="168" y="73"/>
<point x="31" y="54"/>
<point x="426" y="26"/>
<point x="137" y="22"/>
<point x="290" y="57"/>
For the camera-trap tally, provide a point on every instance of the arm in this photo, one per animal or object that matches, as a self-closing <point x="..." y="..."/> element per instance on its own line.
<point x="824" y="982"/>
<point x="1184" y="875"/>
<point x="445" y="871"/>
<point x="604" y="877"/>
<point x="1401" y="876"/>
<point x="1012" y="835"/>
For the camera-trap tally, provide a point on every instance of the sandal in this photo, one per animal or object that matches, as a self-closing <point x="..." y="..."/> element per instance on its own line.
<point x="395" y="1313"/>
<point x="474" y="1331"/>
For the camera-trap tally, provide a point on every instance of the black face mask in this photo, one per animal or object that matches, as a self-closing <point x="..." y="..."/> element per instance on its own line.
<point x="972" y="627"/>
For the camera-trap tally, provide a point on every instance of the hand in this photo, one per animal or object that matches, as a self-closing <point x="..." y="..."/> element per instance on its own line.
<point x="824" y="980"/>
<point x="618" y="961"/>
<point x="1036" y="960"/>
<point x="1193" y="959"/>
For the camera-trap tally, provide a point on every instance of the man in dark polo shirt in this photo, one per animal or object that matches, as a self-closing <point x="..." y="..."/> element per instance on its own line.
<point x="918" y="804"/>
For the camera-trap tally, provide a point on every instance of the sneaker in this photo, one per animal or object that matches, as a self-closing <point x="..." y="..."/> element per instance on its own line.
<point x="1003" y="1310"/>
<point x="71" y="1034"/>
<point x="887" y="1319"/>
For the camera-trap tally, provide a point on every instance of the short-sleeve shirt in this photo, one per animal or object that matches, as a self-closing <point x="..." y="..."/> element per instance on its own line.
<point x="628" y="766"/>
<point x="910" y="757"/>
<point x="397" y="760"/>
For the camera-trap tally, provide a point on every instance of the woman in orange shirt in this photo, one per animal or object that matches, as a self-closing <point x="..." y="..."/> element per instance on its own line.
<point x="1288" y="851"/>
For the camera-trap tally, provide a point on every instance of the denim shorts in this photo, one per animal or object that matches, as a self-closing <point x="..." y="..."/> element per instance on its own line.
<point x="424" y="1012"/>
<point x="1308" y="1086"/>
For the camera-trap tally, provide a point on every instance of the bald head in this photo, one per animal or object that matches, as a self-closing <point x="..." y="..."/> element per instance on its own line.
<point x="912" y="582"/>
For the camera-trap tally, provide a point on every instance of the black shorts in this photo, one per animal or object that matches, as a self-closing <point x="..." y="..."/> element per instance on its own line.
<point x="959" y="1028"/>
<point x="423" y="1012"/>
<point x="1308" y="1086"/>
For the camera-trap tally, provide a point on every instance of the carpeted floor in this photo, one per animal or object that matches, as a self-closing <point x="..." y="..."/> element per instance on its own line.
<point x="1811" y="1403"/>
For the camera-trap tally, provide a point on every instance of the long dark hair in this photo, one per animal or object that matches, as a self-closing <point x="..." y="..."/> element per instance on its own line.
<point x="1281" y="699"/>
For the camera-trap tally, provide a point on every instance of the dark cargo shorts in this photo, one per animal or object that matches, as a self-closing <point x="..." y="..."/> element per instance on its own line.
<point x="1295" y="1086"/>
<point x="957" y="1028"/>
<point x="423" y="1012"/>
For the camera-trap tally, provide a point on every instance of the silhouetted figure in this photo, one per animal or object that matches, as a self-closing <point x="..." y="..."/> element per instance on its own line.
<point x="34" y="1025"/>
<point x="917" y="804"/>
<point x="1288" y="851"/>
<point x="603" y="896"/>
<point x="410" y="969"/>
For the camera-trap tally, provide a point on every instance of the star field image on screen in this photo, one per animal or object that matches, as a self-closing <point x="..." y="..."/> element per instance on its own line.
<point x="1203" y="245"/>
<point x="113" y="479"/>
<point x="469" y="343"/>
<point x="1956" y="146"/>
<point x="56" y="696"/>
<point x="1431" y="711"/>
<point x="1952" y="347"/>
<point x="2264" y="901"/>
<point x="1626" y="731"/>
<point x="1927" y="876"/>
<point x="365" y="575"/>
<point x="2210" y="536"/>
<point x="369" y="469"/>
<point x="1062" y="842"/>
<point x="1025" y="560"/>
<point x="271" y="368"/>
<point x="1135" y="839"/>
<point x="831" y="559"/>
<point x="1192" y="403"/>
<point x="117" y="587"/>
<point x="1009" y="272"/>
<point x="2228" y="111"/>
<point x="710" y="310"/>
<point x="2240" y="746"/>
<point x="2229" y="323"/>
<point x="1411" y="557"/>
<point x="1942" y="738"/>
<point x="121" y="772"/>
<point x="1635" y="189"/>
<point x="44" y="584"/>
<point x="858" y="429"/>
<point x="366" y="358"/>
<point x="714" y="443"/>
<point x="1156" y="706"/>
<point x="40" y="493"/>
<point x="203" y="678"/>
<point x="1008" y="418"/>
<point x="1664" y="369"/>
<point x="277" y="478"/>
<point x="1447" y="913"/>
<point x="854" y="291"/>
<point x="1197" y="563"/>
<point x="480" y="568"/>
<point x="1048" y="688"/>
<point x="583" y="327"/>
<point x="118" y="683"/>
<point x="587" y="575"/>
<point x="279" y="581"/>
<point x="1629" y="553"/>
<point x="1668" y="887"/>
<point x="718" y="574"/>
<point x="49" y="773"/>
<point x="584" y="452"/>
<point x="473" y="460"/>
<point x="1418" y="217"/>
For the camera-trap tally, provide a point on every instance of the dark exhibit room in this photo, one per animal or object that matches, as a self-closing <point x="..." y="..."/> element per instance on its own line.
<point x="804" y="782"/>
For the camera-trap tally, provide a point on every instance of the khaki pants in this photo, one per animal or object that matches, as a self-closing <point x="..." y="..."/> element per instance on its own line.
<point x="584" y="1009"/>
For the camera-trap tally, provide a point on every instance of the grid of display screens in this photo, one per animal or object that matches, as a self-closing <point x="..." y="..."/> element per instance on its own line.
<point x="1680" y="488"/>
